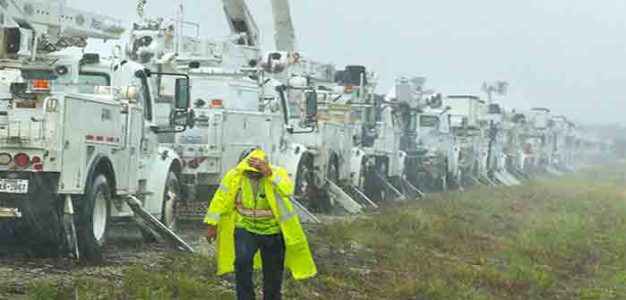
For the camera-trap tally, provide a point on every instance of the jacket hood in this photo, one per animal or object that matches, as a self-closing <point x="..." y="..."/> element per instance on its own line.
<point x="244" y="166"/>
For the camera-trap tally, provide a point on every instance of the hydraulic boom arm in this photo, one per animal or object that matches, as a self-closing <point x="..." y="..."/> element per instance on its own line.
<point x="241" y="22"/>
<point x="284" y="35"/>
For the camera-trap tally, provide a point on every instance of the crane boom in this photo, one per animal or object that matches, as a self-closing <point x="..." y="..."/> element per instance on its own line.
<point x="55" y="18"/>
<point x="30" y="26"/>
<point x="241" y="22"/>
<point x="284" y="36"/>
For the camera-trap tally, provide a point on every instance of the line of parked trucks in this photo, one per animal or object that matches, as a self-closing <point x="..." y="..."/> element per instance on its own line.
<point x="87" y="140"/>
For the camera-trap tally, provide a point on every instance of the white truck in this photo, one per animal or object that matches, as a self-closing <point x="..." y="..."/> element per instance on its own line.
<point x="320" y="130"/>
<point x="79" y="136"/>
<point x="538" y="140"/>
<point x="236" y="107"/>
<point x="466" y="112"/>
<point x="320" y="142"/>
<point x="376" y="162"/>
<point x="430" y="156"/>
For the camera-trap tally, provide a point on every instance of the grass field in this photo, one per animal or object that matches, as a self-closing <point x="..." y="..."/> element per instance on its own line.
<point x="561" y="238"/>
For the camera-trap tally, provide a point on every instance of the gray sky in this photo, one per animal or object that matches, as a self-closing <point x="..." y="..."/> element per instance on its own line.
<point x="567" y="55"/>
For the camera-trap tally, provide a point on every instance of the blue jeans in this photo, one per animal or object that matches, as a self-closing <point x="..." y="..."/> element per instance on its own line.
<point x="273" y="256"/>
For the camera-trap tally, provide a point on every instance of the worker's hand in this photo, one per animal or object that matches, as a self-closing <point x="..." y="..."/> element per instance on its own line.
<point x="260" y="165"/>
<point x="211" y="233"/>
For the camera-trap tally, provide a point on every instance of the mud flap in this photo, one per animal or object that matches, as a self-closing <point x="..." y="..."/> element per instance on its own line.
<point x="154" y="226"/>
<point x="341" y="197"/>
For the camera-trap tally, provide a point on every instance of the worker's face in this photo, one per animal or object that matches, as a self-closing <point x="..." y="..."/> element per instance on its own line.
<point x="254" y="175"/>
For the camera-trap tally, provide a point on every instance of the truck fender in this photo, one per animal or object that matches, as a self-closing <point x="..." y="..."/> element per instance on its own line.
<point x="289" y="158"/>
<point x="158" y="168"/>
<point x="100" y="164"/>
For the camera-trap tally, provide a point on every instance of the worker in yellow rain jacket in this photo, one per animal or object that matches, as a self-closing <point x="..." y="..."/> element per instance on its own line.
<point x="252" y="211"/>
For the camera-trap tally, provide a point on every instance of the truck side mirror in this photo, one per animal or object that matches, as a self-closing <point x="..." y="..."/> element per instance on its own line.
<point x="181" y="94"/>
<point x="311" y="106"/>
<point x="181" y="115"/>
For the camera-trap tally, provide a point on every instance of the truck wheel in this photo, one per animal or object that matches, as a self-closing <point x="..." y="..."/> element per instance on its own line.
<point x="171" y="201"/>
<point x="172" y="196"/>
<point x="333" y="175"/>
<point x="370" y="183"/>
<point x="305" y="183"/>
<point x="333" y="169"/>
<point x="93" y="220"/>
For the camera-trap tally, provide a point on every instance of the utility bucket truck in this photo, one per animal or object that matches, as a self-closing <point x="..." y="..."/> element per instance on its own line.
<point x="539" y="141"/>
<point x="430" y="161"/>
<point x="408" y="99"/>
<point x="497" y="129"/>
<point x="79" y="141"/>
<point x="475" y="129"/>
<point x="235" y="106"/>
<point x="321" y="129"/>
<point x="320" y="133"/>
<point x="377" y="161"/>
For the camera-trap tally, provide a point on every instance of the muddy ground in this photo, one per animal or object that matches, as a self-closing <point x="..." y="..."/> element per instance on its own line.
<point x="125" y="247"/>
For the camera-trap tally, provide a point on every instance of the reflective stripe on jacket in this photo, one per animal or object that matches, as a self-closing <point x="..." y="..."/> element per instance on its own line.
<point x="278" y="190"/>
<point x="254" y="213"/>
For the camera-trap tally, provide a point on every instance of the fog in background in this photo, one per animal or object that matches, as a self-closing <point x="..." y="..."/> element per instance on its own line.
<point x="567" y="55"/>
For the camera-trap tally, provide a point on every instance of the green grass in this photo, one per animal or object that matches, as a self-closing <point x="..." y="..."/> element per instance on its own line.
<point x="551" y="239"/>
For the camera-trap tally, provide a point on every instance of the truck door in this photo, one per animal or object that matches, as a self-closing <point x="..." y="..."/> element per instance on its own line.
<point x="127" y="158"/>
<point x="143" y="140"/>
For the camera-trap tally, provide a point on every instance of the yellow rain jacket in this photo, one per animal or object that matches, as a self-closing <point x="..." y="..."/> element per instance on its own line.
<point x="278" y="189"/>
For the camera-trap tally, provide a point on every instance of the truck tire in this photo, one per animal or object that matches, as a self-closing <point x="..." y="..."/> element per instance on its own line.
<point x="326" y="203"/>
<point x="172" y="195"/>
<point x="305" y="191"/>
<point x="371" y="184"/>
<point x="93" y="220"/>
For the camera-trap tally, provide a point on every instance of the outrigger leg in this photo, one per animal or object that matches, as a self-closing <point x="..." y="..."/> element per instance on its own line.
<point x="341" y="197"/>
<point x="411" y="187"/>
<point x="156" y="227"/>
<point x="389" y="186"/>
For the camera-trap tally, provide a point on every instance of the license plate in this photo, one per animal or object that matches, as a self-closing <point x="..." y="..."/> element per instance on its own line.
<point x="13" y="186"/>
